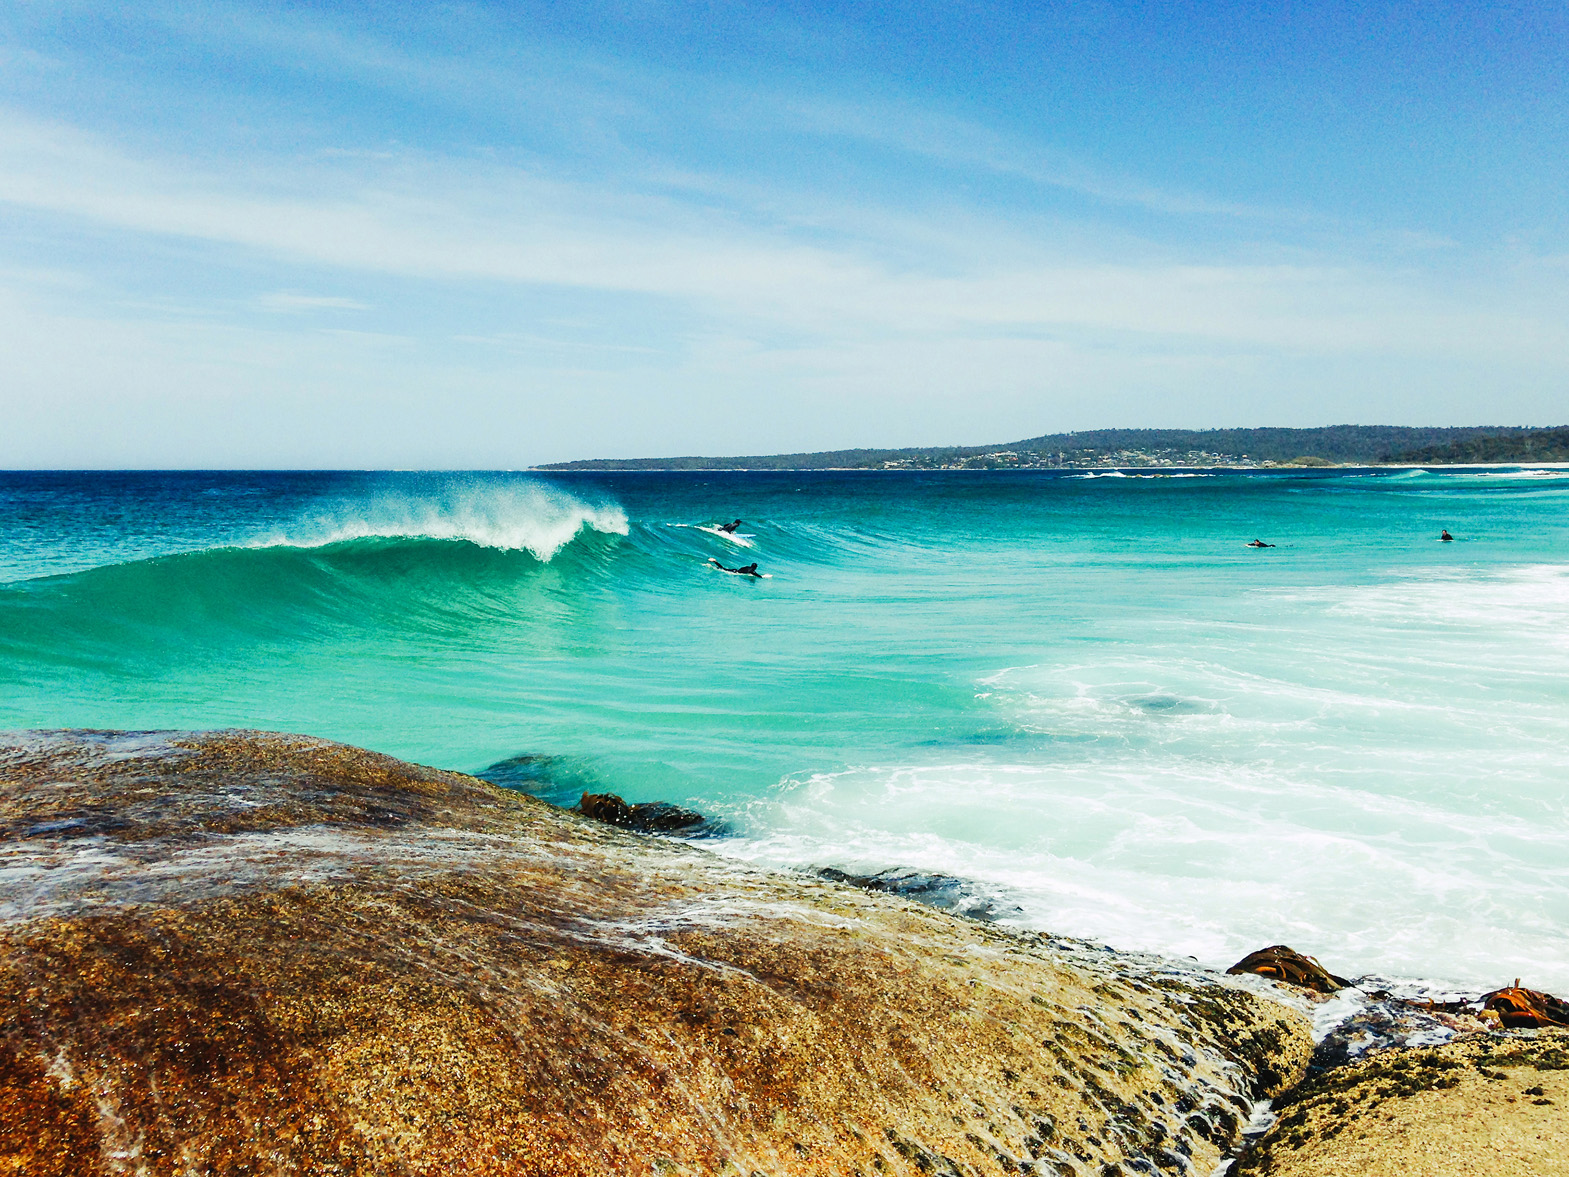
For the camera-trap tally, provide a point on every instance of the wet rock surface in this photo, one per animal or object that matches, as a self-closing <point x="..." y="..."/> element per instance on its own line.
<point x="1384" y="1021"/>
<point x="1492" y="1103"/>
<point x="1410" y="1078"/>
<point x="250" y="953"/>
<point x="651" y="817"/>
<point x="944" y="892"/>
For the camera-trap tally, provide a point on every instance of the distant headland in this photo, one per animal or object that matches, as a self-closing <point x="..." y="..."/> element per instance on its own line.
<point x="1331" y="445"/>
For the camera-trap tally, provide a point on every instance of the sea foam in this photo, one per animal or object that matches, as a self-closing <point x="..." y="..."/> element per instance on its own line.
<point x="1326" y="766"/>
<point x="530" y="517"/>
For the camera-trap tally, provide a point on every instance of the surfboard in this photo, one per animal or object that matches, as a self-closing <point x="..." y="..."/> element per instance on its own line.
<point x="739" y="538"/>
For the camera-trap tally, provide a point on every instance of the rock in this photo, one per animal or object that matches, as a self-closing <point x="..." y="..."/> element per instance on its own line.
<point x="606" y="807"/>
<point x="945" y="892"/>
<point x="654" y="817"/>
<point x="251" y="953"/>
<point x="1521" y="1008"/>
<point x="1387" y="1022"/>
<point x="1285" y="964"/>
<point x="1487" y="1104"/>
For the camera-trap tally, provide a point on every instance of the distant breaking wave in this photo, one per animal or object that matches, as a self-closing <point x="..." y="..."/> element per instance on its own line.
<point x="448" y="565"/>
<point x="537" y="519"/>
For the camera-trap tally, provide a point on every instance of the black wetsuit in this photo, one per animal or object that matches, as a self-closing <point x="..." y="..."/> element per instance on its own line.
<point x="744" y="570"/>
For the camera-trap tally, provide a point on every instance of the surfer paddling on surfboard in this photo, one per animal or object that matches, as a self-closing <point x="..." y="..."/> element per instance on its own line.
<point x="744" y="570"/>
<point x="1258" y="543"/>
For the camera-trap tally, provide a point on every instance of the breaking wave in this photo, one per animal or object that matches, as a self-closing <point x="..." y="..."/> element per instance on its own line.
<point x="537" y="519"/>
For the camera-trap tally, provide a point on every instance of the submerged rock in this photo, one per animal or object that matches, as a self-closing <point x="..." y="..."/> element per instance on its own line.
<point x="557" y="779"/>
<point x="1286" y="964"/>
<point x="245" y="953"/>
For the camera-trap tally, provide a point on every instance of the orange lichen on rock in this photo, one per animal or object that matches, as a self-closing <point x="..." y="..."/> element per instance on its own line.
<point x="240" y="952"/>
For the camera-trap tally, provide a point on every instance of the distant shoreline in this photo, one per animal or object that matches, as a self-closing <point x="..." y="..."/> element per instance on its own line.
<point x="1389" y="446"/>
<point x="1151" y="471"/>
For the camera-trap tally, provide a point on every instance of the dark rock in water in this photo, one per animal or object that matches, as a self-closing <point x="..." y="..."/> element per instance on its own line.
<point x="240" y="952"/>
<point x="1170" y="705"/>
<point x="1524" y="1009"/>
<point x="1286" y="964"/>
<point x="558" y="780"/>
<point x="660" y="817"/>
<point x="653" y="817"/>
<point x="606" y="807"/>
<point x="945" y="892"/>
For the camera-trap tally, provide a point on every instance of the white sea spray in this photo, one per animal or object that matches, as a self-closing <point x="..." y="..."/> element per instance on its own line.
<point x="517" y="516"/>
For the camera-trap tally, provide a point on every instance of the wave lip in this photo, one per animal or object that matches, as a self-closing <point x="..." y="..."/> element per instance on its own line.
<point x="531" y="517"/>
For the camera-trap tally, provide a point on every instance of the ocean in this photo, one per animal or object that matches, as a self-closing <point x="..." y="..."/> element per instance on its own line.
<point x="1080" y="692"/>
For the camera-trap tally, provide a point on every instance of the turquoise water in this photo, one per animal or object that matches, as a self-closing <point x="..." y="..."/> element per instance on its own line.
<point x="1084" y="693"/>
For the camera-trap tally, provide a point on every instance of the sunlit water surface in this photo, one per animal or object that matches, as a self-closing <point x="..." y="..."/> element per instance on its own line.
<point x="1085" y="693"/>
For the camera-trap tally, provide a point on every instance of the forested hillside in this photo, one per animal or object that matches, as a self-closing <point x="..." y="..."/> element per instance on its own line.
<point x="1333" y="444"/>
<point x="1542" y="445"/>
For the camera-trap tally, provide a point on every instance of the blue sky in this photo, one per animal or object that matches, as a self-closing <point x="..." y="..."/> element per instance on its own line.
<point x="487" y="235"/>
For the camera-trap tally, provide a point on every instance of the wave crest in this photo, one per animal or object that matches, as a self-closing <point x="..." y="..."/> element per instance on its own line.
<point x="534" y="518"/>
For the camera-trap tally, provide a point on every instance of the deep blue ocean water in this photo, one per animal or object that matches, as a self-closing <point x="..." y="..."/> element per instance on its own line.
<point x="1083" y="692"/>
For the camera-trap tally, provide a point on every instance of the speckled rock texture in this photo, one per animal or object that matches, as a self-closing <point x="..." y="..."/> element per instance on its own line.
<point x="1489" y="1105"/>
<point x="242" y="953"/>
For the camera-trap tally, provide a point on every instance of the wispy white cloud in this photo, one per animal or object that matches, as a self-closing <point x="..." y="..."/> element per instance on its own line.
<point x="611" y="99"/>
<point x="963" y="143"/>
<point x="299" y="228"/>
<point x="449" y="220"/>
<point x="283" y="302"/>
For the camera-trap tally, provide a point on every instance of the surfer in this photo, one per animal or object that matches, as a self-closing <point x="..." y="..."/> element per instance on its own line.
<point x="1258" y="543"/>
<point x="729" y="528"/>
<point x="744" y="570"/>
<point x="1446" y="537"/>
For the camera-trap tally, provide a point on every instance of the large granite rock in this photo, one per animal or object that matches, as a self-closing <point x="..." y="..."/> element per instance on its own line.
<point x="246" y="953"/>
<point x="1488" y="1105"/>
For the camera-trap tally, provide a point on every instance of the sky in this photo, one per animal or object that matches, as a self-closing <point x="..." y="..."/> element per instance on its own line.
<point x="488" y="235"/>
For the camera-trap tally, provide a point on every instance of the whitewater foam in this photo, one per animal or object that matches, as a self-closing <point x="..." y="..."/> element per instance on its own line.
<point x="1536" y="472"/>
<point x="1197" y="863"/>
<point x="1331" y="768"/>
<point x="531" y="517"/>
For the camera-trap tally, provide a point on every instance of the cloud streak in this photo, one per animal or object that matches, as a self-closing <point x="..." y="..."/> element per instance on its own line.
<point x="457" y="221"/>
<point x="308" y="222"/>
